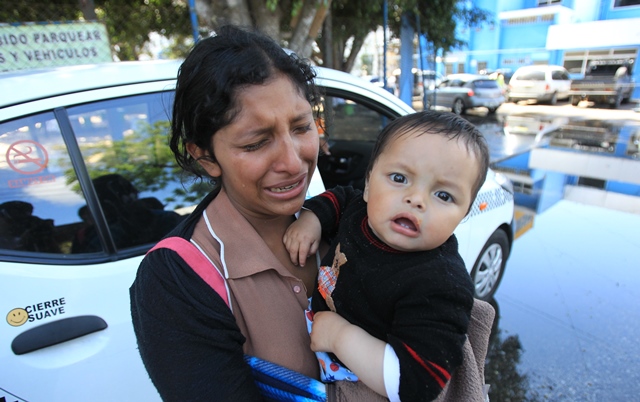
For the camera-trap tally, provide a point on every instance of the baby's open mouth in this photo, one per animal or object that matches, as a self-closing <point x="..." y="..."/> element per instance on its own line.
<point x="406" y="223"/>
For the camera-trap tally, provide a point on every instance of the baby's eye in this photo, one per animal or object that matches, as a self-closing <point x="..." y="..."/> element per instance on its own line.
<point x="397" y="178"/>
<point x="444" y="196"/>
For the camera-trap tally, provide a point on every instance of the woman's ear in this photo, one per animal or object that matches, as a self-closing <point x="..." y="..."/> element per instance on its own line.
<point x="365" y="194"/>
<point x="202" y="157"/>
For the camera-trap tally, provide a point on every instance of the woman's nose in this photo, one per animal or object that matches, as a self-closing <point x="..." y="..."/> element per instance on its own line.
<point x="288" y="156"/>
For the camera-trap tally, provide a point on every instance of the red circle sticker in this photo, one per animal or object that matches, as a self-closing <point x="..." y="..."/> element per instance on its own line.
<point x="27" y="157"/>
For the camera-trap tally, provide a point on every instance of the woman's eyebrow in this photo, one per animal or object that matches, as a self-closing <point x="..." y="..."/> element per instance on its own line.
<point x="267" y="129"/>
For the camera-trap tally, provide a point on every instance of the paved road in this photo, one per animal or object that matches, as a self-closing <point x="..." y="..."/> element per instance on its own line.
<point x="568" y="325"/>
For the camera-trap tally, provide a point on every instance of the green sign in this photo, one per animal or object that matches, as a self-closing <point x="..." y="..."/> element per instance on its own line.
<point x="31" y="45"/>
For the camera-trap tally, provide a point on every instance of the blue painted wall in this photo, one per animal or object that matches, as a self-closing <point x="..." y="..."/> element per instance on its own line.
<point x="496" y="42"/>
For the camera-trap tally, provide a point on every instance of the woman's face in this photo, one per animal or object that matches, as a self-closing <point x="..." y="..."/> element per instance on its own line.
<point x="267" y="155"/>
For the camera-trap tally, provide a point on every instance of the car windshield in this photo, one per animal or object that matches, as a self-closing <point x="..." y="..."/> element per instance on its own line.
<point x="534" y="75"/>
<point x="603" y="69"/>
<point x="488" y="84"/>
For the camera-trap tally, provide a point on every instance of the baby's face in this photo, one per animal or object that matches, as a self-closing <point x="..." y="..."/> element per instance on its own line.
<point x="419" y="190"/>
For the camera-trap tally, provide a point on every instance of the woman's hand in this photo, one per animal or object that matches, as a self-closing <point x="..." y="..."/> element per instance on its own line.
<point x="302" y="237"/>
<point x="360" y="352"/>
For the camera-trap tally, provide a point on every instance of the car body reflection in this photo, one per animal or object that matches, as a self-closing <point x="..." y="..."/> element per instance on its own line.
<point x="567" y="309"/>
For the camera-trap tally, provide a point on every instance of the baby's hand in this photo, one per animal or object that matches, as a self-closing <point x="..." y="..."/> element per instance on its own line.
<point x="327" y="328"/>
<point x="302" y="238"/>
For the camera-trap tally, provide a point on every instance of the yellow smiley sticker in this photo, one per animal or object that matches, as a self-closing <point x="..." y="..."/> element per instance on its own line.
<point x="17" y="317"/>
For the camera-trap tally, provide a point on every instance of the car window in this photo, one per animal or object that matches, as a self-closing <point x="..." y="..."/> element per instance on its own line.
<point x="351" y="121"/>
<point x="124" y="146"/>
<point x="556" y="75"/>
<point x="352" y="127"/>
<point x="534" y="75"/>
<point x="39" y="195"/>
<point x="485" y="84"/>
<point x="133" y="194"/>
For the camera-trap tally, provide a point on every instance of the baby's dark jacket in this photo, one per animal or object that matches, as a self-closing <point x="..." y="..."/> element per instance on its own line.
<point x="418" y="302"/>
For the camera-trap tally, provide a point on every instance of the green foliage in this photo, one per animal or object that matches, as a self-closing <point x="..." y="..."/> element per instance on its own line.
<point x="30" y="11"/>
<point x="144" y="158"/>
<point x="352" y="20"/>
<point x="129" y="23"/>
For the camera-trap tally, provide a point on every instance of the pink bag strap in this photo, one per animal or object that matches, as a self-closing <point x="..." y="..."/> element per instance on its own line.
<point x="197" y="261"/>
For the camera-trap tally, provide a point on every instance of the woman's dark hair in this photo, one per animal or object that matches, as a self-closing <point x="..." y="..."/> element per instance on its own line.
<point x="439" y="123"/>
<point x="209" y="80"/>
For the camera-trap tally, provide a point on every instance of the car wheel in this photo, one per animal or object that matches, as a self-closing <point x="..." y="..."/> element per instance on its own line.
<point x="489" y="267"/>
<point x="458" y="106"/>
<point x="575" y="100"/>
<point x="554" y="99"/>
<point x="617" y="102"/>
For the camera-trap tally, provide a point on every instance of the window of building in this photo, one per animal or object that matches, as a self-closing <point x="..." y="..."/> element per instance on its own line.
<point x="626" y="3"/>
<point x="590" y="182"/>
<point x="448" y="68"/>
<point x="530" y="20"/>
<point x="544" y="3"/>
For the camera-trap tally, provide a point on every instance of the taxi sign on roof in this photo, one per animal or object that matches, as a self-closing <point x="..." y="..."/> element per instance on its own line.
<point x="35" y="45"/>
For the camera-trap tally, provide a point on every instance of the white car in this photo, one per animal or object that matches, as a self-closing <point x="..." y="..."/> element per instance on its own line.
<point x="542" y="83"/>
<point x="88" y="185"/>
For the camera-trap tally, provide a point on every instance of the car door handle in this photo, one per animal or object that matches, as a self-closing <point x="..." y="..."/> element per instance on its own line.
<point x="56" y="332"/>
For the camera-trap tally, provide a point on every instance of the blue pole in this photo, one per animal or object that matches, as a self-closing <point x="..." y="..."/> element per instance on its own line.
<point x="194" y="21"/>
<point x="406" y="61"/>
<point x="385" y="16"/>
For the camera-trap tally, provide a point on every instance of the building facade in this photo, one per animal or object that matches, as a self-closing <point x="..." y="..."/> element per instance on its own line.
<point x="563" y="32"/>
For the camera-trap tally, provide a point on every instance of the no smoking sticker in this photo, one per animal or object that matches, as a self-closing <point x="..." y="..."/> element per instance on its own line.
<point x="27" y="157"/>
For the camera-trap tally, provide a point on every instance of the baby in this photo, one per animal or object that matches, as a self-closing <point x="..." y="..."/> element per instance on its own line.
<point x="393" y="267"/>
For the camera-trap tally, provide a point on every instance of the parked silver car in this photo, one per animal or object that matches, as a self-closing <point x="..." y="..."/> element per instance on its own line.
<point x="467" y="91"/>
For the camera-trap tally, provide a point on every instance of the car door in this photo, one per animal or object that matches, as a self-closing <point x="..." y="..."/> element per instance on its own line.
<point x="445" y="92"/>
<point x="561" y="83"/>
<point x="84" y="191"/>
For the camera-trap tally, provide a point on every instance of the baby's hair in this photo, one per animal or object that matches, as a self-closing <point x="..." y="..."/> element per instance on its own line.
<point x="443" y="123"/>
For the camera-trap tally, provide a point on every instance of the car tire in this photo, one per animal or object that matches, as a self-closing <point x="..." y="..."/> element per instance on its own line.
<point x="458" y="106"/>
<point x="617" y="102"/>
<point x="554" y="99"/>
<point x="489" y="267"/>
<point x="575" y="100"/>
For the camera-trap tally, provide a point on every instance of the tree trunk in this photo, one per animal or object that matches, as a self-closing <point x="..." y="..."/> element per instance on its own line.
<point x="358" y="41"/>
<point x="215" y="13"/>
<point x="88" y="9"/>
<point x="266" y="21"/>
<point x="303" y="24"/>
<point x="327" y="42"/>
